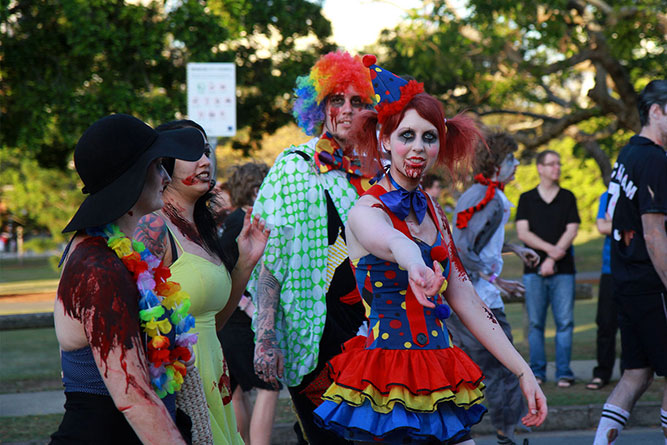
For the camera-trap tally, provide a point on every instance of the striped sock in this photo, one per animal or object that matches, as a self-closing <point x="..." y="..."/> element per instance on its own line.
<point x="612" y="421"/>
<point x="663" y="422"/>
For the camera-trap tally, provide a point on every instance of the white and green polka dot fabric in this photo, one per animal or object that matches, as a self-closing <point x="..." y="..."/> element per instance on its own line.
<point x="292" y="202"/>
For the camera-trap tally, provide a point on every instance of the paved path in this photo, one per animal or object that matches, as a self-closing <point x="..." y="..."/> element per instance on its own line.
<point x="631" y="436"/>
<point x="51" y="402"/>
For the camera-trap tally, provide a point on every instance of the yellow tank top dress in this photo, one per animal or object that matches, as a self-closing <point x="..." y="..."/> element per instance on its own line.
<point x="209" y="287"/>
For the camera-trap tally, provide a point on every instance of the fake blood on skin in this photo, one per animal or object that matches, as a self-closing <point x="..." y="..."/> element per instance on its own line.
<point x="453" y="254"/>
<point x="98" y="290"/>
<point x="333" y="115"/>
<point x="184" y="226"/>
<point x="413" y="172"/>
<point x="190" y="180"/>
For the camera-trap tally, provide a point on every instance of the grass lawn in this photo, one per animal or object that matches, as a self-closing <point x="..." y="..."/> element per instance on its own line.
<point x="12" y="270"/>
<point x="33" y="429"/>
<point x="30" y="360"/>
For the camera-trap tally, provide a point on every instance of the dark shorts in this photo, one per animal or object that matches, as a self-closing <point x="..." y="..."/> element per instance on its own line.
<point x="94" y="419"/>
<point x="238" y="345"/>
<point x="642" y="320"/>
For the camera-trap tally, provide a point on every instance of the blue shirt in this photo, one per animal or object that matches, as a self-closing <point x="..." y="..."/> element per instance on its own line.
<point x="606" y="248"/>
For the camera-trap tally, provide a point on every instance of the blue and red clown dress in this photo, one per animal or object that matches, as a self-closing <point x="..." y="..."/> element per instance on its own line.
<point x="405" y="382"/>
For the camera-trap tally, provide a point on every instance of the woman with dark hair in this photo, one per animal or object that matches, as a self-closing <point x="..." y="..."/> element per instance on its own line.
<point x="405" y="382"/>
<point x="183" y="234"/>
<point x="124" y="341"/>
<point x="236" y="336"/>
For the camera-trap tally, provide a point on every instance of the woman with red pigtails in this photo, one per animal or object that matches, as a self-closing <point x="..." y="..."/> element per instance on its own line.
<point x="406" y="382"/>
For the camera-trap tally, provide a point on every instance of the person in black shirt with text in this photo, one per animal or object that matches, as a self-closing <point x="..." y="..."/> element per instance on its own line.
<point x="638" y="207"/>
<point x="547" y="220"/>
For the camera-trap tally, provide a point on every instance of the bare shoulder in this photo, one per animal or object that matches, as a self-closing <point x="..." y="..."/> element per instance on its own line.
<point x="367" y="201"/>
<point x="366" y="206"/>
<point x="152" y="231"/>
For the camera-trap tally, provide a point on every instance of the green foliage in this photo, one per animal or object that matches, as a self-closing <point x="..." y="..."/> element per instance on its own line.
<point x="544" y="70"/>
<point x="67" y="63"/>
<point x="40" y="197"/>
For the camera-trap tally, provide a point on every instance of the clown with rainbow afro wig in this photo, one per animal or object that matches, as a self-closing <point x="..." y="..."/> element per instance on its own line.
<point x="333" y="73"/>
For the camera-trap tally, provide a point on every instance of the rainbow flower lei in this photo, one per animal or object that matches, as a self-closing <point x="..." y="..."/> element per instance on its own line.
<point x="163" y="306"/>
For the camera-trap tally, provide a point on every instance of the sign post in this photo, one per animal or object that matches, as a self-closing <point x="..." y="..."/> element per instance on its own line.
<point x="212" y="97"/>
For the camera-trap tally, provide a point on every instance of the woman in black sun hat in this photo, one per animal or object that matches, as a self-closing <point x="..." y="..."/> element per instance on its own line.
<point x="121" y="324"/>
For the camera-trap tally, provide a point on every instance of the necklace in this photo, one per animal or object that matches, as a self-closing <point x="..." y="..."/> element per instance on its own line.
<point x="163" y="306"/>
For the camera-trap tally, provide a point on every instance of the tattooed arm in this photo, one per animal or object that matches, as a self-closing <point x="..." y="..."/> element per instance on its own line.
<point x="269" y="359"/>
<point x="152" y="231"/>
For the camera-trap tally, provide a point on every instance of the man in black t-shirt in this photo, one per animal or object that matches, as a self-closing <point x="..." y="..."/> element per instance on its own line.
<point x="547" y="220"/>
<point x="638" y="207"/>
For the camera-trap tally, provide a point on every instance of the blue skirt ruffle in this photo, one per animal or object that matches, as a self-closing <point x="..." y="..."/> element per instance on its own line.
<point x="399" y="426"/>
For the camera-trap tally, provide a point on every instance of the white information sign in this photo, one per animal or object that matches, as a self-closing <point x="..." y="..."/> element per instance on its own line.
<point x="212" y="97"/>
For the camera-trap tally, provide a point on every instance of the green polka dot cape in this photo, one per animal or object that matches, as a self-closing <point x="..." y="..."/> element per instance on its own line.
<point x="292" y="202"/>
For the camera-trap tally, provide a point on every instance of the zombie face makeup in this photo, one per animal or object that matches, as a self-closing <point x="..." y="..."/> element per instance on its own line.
<point x="193" y="176"/>
<point x="340" y="111"/>
<point x="507" y="169"/>
<point x="414" y="147"/>
<point x="157" y="180"/>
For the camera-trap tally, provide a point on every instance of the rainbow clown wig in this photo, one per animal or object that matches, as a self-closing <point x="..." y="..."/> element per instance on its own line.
<point x="333" y="73"/>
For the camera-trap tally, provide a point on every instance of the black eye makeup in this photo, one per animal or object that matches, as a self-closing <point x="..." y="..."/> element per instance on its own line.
<point x="337" y="101"/>
<point x="430" y="137"/>
<point x="356" y="102"/>
<point x="406" y="136"/>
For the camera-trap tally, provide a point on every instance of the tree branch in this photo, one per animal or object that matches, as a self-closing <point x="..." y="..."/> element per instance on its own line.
<point x="592" y="147"/>
<point x="554" y="128"/>
<point x="552" y="96"/>
<point x="555" y="67"/>
<point x="518" y="113"/>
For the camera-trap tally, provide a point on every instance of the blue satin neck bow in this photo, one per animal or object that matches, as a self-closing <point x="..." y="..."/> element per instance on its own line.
<point x="400" y="201"/>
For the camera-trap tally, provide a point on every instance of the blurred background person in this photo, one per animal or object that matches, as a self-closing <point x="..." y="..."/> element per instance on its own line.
<point x="606" y="317"/>
<point x="479" y="235"/>
<point x="432" y="184"/>
<point x="221" y="205"/>
<point x="184" y="234"/>
<point x="638" y="209"/>
<point x="547" y="220"/>
<point x="237" y="337"/>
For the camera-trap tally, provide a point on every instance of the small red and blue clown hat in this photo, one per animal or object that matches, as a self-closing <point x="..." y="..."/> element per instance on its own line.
<point x="392" y="92"/>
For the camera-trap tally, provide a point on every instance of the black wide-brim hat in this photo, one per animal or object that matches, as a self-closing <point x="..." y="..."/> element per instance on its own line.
<point x="112" y="158"/>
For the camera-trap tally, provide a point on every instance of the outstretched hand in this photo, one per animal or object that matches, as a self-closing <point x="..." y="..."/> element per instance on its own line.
<point x="512" y="288"/>
<point x="537" y="401"/>
<point x="252" y="239"/>
<point x="529" y="257"/>
<point x="425" y="282"/>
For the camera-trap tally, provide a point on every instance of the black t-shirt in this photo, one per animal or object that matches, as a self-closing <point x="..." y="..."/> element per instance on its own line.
<point x="638" y="186"/>
<point x="548" y="221"/>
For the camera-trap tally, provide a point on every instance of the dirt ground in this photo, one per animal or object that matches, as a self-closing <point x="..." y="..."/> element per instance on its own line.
<point x="27" y="303"/>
